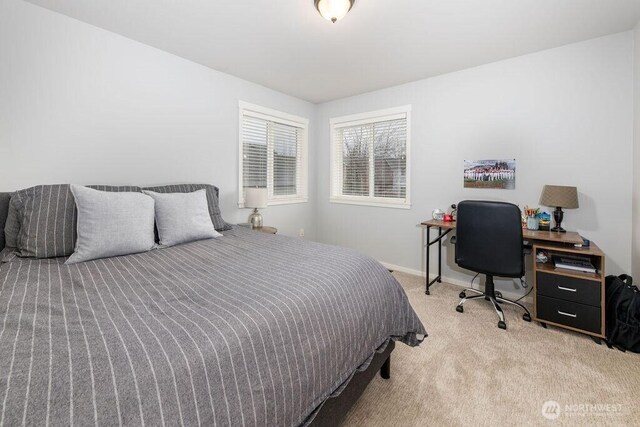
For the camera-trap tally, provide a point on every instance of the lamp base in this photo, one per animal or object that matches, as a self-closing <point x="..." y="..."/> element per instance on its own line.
<point x="558" y="215"/>
<point x="255" y="219"/>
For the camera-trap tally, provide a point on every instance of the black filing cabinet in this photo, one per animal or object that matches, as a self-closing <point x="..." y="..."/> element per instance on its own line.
<point x="570" y="299"/>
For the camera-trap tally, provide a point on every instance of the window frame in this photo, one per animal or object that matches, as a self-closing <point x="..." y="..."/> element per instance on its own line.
<point x="264" y="113"/>
<point x="370" y="117"/>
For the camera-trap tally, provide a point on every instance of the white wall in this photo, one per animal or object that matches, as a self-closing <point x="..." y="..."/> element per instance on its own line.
<point x="565" y="115"/>
<point x="636" y="156"/>
<point x="80" y="104"/>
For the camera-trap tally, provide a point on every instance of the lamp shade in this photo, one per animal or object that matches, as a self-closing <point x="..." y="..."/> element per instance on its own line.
<point x="255" y="198"/>
<point x="559" y="196"/>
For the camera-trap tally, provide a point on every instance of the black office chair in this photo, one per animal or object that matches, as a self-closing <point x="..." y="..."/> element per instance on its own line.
<point x="489" y="241"/>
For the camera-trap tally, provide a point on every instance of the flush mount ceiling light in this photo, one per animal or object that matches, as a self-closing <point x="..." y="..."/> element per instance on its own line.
<point x="333" y="10"/>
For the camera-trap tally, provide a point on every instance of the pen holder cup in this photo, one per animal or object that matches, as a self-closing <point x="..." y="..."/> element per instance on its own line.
<point x="533" y="223"/>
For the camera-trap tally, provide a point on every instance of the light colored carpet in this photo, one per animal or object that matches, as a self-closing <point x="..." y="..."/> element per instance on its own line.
<point x="469" y="372"/>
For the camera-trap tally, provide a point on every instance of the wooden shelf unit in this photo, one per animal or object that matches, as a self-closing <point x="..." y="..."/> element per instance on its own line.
<point x="570" y="299"/>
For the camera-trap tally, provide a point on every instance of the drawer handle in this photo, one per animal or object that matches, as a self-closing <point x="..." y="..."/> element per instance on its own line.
<point x="562" y="288"/>
<point x="567" y="314"/>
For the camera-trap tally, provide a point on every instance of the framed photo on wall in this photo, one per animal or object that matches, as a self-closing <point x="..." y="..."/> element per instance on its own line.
<point x="500" y="174"/>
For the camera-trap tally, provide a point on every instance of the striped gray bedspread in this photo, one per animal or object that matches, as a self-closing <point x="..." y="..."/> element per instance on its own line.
<point x="246" y="329"/>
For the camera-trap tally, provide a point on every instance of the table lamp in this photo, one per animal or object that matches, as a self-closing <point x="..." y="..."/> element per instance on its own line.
<point x="559" y="196"/>
<point x="255" y="198"/>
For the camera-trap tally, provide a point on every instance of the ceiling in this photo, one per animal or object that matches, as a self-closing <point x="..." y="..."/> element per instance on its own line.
<point x="287" y="46"/>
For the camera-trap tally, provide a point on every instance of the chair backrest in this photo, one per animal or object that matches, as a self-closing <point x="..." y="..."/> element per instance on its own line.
<point x="489" y="238"/>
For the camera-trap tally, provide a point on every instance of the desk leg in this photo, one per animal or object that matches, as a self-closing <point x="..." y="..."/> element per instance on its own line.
<point x="439" y="257"/>
<point x="438" y="241"/>
<point x="427" y="248"/>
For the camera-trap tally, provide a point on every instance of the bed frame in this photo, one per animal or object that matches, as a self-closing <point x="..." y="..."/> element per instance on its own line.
<point x="334" y="409"/>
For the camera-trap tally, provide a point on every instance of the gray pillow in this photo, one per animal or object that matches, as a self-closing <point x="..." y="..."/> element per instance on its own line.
<point x="5" y="199"/>
<point x="11" y="227"/>
<point x="111" y="224"/>
<point x="47" y="218"/>
<point x="212" y="199"/>
<point x="46" y="215"/>
<point x="182" y="217"/>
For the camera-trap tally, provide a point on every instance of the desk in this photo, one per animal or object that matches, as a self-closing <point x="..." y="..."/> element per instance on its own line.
<point x="445" y="227"/>
<point x="567" y="299"/>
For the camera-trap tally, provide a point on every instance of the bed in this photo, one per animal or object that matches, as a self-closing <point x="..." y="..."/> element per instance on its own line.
<point x="246" y="329"/>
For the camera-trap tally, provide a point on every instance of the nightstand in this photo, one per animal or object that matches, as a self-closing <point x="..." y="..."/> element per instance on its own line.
<point x="265" y="229"/>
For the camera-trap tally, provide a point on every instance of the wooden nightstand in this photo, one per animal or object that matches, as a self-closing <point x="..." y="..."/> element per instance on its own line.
<point x="269" y="230"/>
<point x="265" y="229"/>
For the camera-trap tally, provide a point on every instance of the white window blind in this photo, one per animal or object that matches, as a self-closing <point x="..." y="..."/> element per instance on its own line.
<point x="273" y="148"/>
<point x="370" y="158"/>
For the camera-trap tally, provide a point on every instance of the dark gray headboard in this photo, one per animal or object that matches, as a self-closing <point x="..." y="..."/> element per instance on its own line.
<point x="4" y="208"/>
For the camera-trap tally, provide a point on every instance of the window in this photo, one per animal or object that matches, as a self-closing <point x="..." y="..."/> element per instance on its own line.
<point x="273" y="154"/>
<point x="370" y="158"/>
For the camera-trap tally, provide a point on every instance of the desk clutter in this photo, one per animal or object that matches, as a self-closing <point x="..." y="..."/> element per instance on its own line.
<point x="574" y="263"/>
<point x="534" y="219"/>
<point x="556" y="196"/>
<point x="449" y="216"/>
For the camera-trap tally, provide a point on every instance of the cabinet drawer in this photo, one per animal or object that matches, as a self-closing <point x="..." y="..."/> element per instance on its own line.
<point x="568" y="288"/>
<point x="568" y="313"/>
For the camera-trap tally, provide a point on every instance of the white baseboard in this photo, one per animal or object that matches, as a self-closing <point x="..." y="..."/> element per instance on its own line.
<point x="402" y="269"/>
<point x="457" y="282"/>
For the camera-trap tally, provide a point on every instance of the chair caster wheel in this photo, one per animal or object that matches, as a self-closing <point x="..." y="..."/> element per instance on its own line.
<point x="459" y="309"/>
<point x="526" y="317"/>
<point x="462" y="294"/>
<point x="498" y="294"/>
<point x="502" y="325"/>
